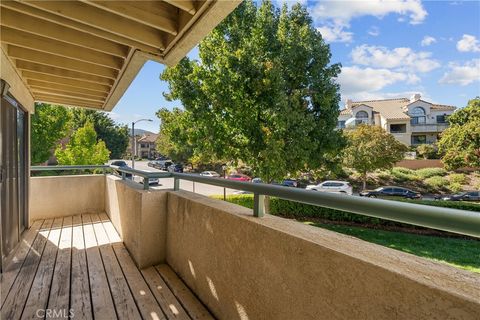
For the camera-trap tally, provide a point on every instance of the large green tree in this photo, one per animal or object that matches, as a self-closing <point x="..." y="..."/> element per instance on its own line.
<point x="49" y="124"/>
<point x="115" y="136"/>
<point x="460" y="142"/>
<point x="83" y="148"/>
<point x="263" y="92"/>
<point x="370" y="148"/>
<point x="173" y="140"/>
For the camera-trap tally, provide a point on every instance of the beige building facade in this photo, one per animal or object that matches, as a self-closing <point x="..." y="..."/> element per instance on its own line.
<point x="412" y="121"/>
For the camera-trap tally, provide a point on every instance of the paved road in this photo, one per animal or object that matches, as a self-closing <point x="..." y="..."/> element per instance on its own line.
<point x="167" y="183"/>
<point x="196" y="187"/>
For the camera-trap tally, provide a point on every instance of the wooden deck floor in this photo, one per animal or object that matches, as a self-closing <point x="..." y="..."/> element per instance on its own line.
<point x="78" y="267"/>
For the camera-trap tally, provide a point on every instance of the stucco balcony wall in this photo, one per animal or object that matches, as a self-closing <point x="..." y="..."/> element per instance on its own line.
<point x="242" y="267"/>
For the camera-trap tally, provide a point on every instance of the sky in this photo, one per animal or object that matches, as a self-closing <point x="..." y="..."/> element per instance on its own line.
<point x="387" y="49"/>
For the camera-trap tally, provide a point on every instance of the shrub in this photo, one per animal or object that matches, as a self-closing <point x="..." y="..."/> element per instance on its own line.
<point x="427" y="151"/>
<point x="290" y="209"/>
<point x="458" y="178"/>
<point x="403" y="174"/>
<point x="455" y="187"/>
<point x="436" y="182"/>
<point x="384" y="175"/>
<point x="430" y="172"/>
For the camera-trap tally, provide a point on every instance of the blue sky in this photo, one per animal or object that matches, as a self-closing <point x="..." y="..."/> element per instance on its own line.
<point x="387" y="49"/>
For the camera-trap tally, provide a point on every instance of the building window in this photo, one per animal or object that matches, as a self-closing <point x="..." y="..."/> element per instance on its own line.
<point x="418" y="116"/>
<point x="419" y="139"/>
<point x="361" y="117"/>
<point x="442" y="118"/>
<point x="398" y="128"/>
<point x="341" y="124"/>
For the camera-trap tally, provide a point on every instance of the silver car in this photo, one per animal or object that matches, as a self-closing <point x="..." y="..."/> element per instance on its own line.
<point x="332" y="186"/>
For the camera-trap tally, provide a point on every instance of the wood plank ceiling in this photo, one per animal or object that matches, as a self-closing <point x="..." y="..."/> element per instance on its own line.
<point x="86" y="53"/>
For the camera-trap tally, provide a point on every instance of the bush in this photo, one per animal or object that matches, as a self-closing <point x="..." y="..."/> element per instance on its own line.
<point x="403" y="174"/>
<point x="430" y="172"/>
<point x="427" y="151"/>
<point x="455" y="187"/>
<point x="436" y="182"/>
<point x="458" y="178"/>
<point x="468" y="206"/>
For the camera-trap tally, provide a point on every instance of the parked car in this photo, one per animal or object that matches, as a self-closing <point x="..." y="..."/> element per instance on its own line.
<point x="153" y="163"/>
<point x="332" y="186"/>
<point x="463" y="196"/>
<point x="289" y="183"/>
<point x="151" y="181"/>
<point x="175" y="167"/>
<point x="211" y="174"/>
<point x="239" y="177"/>
<point x="164" y="164"/>
<point x="121" y="164"/>
<point x="257" y="180"/>
<point x="391" y="191"/>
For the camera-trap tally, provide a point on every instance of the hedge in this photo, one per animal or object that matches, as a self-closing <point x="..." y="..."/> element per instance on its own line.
<point x="296" y="210"/>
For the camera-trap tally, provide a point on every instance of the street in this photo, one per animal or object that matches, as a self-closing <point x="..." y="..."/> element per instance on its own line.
<point x="167" y="183"/>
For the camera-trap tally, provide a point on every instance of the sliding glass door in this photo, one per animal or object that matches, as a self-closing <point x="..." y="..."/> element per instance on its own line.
<point x="13" y="173"/>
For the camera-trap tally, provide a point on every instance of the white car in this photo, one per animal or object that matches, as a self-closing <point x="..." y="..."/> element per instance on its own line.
<point x="333" y="187"/>
<point x="211" y="174"/>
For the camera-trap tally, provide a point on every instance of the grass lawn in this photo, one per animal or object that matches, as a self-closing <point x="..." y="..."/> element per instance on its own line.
<point x="464" y="254"/>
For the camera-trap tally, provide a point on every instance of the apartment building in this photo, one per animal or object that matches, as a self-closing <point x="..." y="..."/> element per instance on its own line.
<point x="412" y="121"/>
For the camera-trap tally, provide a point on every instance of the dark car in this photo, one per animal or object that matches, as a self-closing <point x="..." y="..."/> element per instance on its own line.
<point x="121" y="164"/>
<point x="390" y="191"/>
<point x="289" y="183"/>
<point x="463" y="196"/>
<point x="176" y="167"/>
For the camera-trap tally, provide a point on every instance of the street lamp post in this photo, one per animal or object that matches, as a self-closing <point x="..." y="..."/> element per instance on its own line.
<point x="134" y="145"/>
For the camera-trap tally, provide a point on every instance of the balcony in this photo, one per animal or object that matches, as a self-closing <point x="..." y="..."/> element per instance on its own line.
<point x="428" y="127"/>
<point x="169" y="254"/>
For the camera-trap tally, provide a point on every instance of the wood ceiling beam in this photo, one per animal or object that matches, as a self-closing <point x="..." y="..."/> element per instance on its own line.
<point x="28" y="40"/>
<point x="56" y="80"/>
<point x="59" y="86"/>
<point x="65" y="22"/>
<point x="185" y="5"/>
<point x="26" y="65"/>
<point x="67" y="101"/>
<point x="66" y="94"/>
<point x="132" y="10"/>
<point x="60" y="62"/>
<point x="23" y="22"/>
<point x="100" y="19"/>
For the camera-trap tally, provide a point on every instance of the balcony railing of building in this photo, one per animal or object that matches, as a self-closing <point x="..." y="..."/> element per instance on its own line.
<point x="451" y="220"/>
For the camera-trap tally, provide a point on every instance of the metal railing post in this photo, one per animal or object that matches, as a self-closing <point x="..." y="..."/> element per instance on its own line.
<point x="176" y="184"/>
<point x="258" y="205"/>
<point x="123" y="175"/>
<point x="146" y="184"/>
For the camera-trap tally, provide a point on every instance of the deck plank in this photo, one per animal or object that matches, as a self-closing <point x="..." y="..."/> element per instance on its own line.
<point x="103" y="307"/>
<point x="40" y="290"/>
<point x="80" y="302"/>
<point x="15" y="301"/>
<point x="60" y="291"/>
<point x="16" y="259"/>
<point x="122" y="297"/>
<point x="192" y="305"/>
<point x="167" y="300"/>
<point x="144" y="298"/>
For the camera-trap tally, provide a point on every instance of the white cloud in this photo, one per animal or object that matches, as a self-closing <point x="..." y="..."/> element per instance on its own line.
<point x="346" y="10"/>
<point x="374" y="31"/>
<point x="428" y="40"/>
<point x="462" y="74"/>
<point x="355" y="80"/>
<point x="468" y="43"/>
<point x="398" y="58"/>
<point x="335" y="32"/>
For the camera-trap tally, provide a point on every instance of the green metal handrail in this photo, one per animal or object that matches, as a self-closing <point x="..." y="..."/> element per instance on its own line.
<point x="446" y="219"/>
